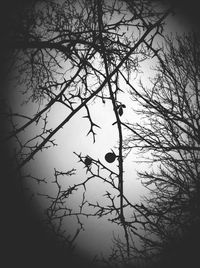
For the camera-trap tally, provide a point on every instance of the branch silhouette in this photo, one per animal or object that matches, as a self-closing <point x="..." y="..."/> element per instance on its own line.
<point x="73" y="54"/>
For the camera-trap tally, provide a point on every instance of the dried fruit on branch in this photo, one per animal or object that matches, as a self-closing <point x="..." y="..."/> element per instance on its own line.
<point x="110" y="157"/>
<point x="88" y="161"/>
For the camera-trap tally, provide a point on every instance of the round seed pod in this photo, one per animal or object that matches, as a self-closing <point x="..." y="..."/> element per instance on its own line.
<point x="88" y="161"/>
<point x="110" y="157"/>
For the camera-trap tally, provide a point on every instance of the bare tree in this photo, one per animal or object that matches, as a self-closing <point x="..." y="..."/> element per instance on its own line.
<point x="171" y="134"/>
<point x="73" y="52"/>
